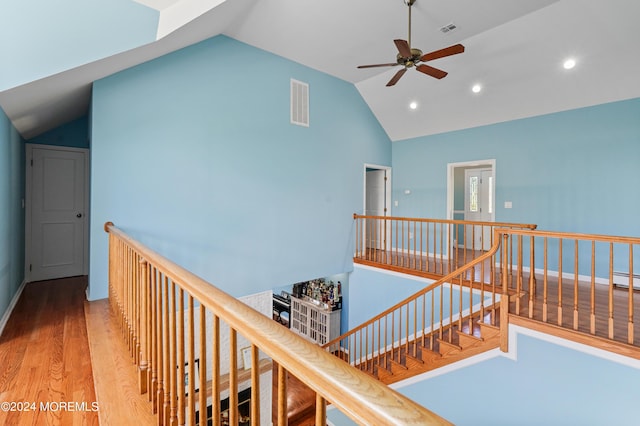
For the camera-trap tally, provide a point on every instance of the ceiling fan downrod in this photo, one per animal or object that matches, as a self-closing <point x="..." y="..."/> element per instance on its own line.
<point x="409" y="3"/>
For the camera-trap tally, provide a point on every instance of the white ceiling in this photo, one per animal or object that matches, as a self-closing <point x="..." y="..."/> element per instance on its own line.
<point x="514" y="49"/>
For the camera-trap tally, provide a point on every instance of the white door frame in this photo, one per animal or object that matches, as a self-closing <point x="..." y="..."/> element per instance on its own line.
<point x="28" y="213"/>
<point x="490" y="164"/>
<point x="387" y="198"/>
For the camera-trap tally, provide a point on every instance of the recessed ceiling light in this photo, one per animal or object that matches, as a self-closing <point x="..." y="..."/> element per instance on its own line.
<point x="413" y="105"/>
<point x="569" y="63"/>
<point x="476" y="88"/>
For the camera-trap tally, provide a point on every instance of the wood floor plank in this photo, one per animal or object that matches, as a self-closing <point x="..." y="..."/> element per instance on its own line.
<point x="45" y="370"/>
<point x="116" y="381"/>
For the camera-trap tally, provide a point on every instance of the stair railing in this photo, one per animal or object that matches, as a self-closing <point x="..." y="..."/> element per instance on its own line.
<point x="428" y="318"/>
<point x="166" y="313"/>
<point x="427" y="247"/>
<point x="585" y="283"/>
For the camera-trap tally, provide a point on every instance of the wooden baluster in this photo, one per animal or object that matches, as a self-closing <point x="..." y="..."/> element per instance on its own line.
<point x="433" y="316"/>
<point x="482" y="285"/>
<point x="375" y="239"/>
<point x="492" y="267"/>
<point x="181" y="357"/>
<point x="173" y="363"/>
<point x="422" y="248"/>
<point x="415" y="252"/>
<point x="611" y="291"/>
<point x="630" y="301"/>
<point x="415" y="327"/>
<point x="575" y="285"/>
<point x="473" y="242"/>
<point x="321" y="410"/>
<point x="202" y="386"/>
<point x="424" y="315"/>
<point x="128" y="306"/>
<point x="592" y="320"/>
<point x="441" y="325"/>
<point x="191" y="362"/>
<point x="435" y="248"/>
<point x="545" y="282"/>
<point x="160" y="341"/>
<point x="233" y="377"/>
<point x="560" y="282"/>
<point x="450" y="339"/>
<point x="282" y="397"/>
<point x="406" y="332"/>
<point x="215" y="371"/>
<point x="366" y="347"/>
<point x="380" y="347"/>
<point x="153" y="337"/>
<point x="504" y="299"/>
<point x="387" y="242"/>
<point x="450" y="248"/>
<point x="255" y="386"/>
<point x="386" y="333"/>
<point x="164" y="399"/>
<point x="519" y="276"/>
<point x="464" y="244"/>
<point x="403" y="247"/>
<point x="144" y="364"/>
<point x="426" y="248"/>
<point x="532" y="276"/>
<point x="135" y="307"/>
<point x="473" y="274"/>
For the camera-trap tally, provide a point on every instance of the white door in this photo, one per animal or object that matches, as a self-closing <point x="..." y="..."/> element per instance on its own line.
<point x="478" y="202"/>
<point x="56" y="240"/>
<point x="376" y="205"/>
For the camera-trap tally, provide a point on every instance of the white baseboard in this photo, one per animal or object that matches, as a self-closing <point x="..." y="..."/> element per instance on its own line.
<point x="12" y="304"/>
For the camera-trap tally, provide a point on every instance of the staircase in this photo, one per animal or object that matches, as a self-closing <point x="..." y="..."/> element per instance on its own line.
<point x="429" y="352"/>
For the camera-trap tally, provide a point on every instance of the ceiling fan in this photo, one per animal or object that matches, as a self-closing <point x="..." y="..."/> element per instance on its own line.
<point x="409" y="57"/>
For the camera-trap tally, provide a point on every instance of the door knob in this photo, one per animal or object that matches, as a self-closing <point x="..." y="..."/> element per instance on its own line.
<point x="79" y="215"/>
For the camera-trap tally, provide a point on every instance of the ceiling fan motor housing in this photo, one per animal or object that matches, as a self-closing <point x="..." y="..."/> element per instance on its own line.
<point x="409" y="62"/>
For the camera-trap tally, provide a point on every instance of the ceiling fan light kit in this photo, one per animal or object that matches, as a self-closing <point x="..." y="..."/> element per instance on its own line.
<point x="410" y="57"/>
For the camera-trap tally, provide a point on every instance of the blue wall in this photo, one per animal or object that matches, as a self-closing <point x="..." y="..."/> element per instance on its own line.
<point x="193" y="153"/>
<point x="574" y="171"/>
<point x="74" y="134"/>
<point x="11" y="212"/>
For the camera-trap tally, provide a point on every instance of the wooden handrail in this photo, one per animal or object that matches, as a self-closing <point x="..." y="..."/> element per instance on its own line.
<point x="362" y="398"/>
<point x="427" y="247"/>
<point x="450" y="221"/>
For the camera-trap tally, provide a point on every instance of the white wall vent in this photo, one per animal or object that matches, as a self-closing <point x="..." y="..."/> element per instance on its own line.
<point x="299" y="103"/>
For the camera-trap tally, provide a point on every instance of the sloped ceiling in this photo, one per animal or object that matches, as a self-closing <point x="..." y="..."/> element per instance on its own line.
<point x="514" y="49"/>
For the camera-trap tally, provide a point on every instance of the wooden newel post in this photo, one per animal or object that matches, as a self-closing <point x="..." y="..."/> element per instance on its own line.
<point x="143" y="366"/>
<point x="504" y="298"/>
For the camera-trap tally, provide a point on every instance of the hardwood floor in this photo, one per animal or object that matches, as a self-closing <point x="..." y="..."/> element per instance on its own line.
<point x="45" y="367"/>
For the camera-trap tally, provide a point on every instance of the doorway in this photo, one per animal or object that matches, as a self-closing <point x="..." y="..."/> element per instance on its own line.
<point x="471" y="196"/>
<point x="56" y="207"/>
<point x="377" y="202"/>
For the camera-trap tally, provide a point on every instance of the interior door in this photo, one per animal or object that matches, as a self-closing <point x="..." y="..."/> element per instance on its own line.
<point x="56" y="213"/>
<point x="375" y="205"/>
<point x="478" y="207"/>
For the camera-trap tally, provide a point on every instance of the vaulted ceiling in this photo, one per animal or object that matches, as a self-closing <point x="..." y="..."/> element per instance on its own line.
<point x="53" y="51"/>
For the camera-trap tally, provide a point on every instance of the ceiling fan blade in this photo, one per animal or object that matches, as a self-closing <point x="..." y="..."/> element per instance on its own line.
<point x="447" y="51"/>
<point x="433" y="72"/>
<point x="392" y="64"/>
<point x="403" y="48"/>
<point x="396" y="77"/>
